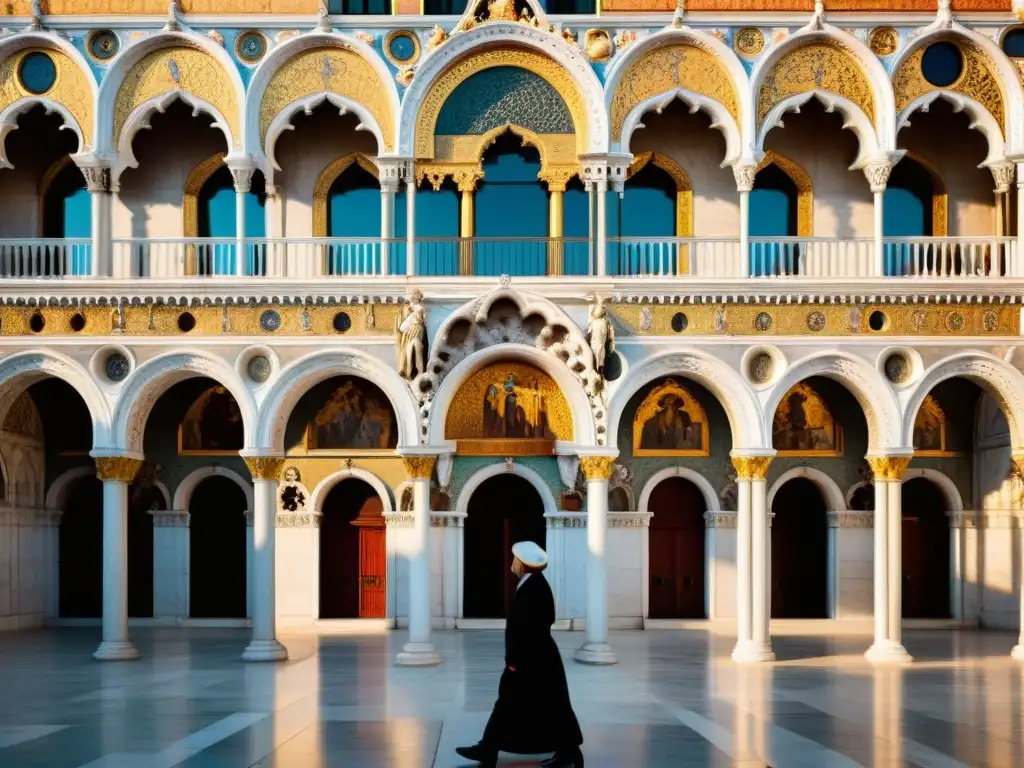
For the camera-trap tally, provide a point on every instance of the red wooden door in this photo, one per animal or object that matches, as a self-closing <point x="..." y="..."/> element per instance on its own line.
<point x="372" y="573"/>
<point x="676" y="554"/>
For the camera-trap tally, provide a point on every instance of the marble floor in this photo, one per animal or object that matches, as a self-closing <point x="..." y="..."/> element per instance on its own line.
<point x="674" y="699"/>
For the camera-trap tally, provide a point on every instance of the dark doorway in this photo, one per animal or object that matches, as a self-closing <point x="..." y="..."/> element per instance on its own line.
<point x="799" y="552"/>
<point x="217" y="555"/>
<point x="503" y="510"/>
<point x="353" y="556"/>
<point x="81" y="551"/>
<point x="676" y="551"/>
<point x="925" y="551"/>
<point x="142" y="500"/>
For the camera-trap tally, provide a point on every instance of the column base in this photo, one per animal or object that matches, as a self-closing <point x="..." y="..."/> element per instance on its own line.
<point x="888" y="652"/>
<point x="265" y="650"/>
<point x="596" y="653"/>
<point x="116" y="650"/>
<point x="751" y="652"/>
<point x="1017" y="652"/>
<point x="418" y="655"/>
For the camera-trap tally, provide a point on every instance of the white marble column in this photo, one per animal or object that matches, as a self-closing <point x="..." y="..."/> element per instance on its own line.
<point x="116" y="472"/>
<point x="1017" y="268"/>
<point x="597" y="470"/>
<point x="1018" y="460"/>
<point x="410" y="218"/>
<point x="753" y="642"/>
<point x="888" y="609"/>
<point x="170" y="563"/>
<point x="419" y="651"/>
<point x="877" y="173"/>
<point x="242" y="176"/>
<point x="387" y="222"/>
<point x="601" y="238"/>
<point x="264" y="645"/>
<point x="97" y="181"/>
<point x="744" y="175"/>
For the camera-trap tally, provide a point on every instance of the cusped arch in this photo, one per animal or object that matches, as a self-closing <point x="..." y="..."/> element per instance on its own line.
<point x="861" y="379"/>
<point x="711" y="500"/>
<point x="325" y="486"/>
<point x="502" y="44"/>
<point x="150" y="381"/>
<point x="732" y="392"/>
<point x="982" y="119"/>
<point x="997" y="377"/>
<point x="687" y="64"/>
<point x="326" y="179"/>
<point x="832" y="495"/>
<point x="684" y="187"/>
<point x="951" y="494"/>
<point x="479" y="477"/>
<point x="804" y="189"/>
<point x="306" y="372"/>
<point x="20" y="371"/>
<point x="183" y="493"/>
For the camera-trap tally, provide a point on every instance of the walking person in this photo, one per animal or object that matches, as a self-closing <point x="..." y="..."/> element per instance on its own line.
<point x="533" y="714"/>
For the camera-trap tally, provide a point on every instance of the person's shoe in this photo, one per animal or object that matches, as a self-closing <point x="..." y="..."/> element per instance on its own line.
<point x="568" y="759"/>
<point x="479" y="753"/>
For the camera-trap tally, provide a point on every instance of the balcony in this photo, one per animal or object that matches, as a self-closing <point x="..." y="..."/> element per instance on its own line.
<point x="688" y="260"/>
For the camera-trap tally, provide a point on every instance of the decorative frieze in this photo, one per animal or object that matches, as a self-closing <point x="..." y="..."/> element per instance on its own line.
<point x="968" y="518"/>
<point x="398" y="520"/>
<point x="629" y="520"/>
<point x="299" y="521"/>
<point x="447" y="520"/>
<point x="567" y="520"/>
<point x="172" y="518"/>
<point x="720" y="519"/>
<point x="844" y="519"/>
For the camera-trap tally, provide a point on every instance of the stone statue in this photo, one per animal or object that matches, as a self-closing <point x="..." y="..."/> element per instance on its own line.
<point x="411" y="338"/>
<point x="600" y="334"/>
<point x="117" y="324"/>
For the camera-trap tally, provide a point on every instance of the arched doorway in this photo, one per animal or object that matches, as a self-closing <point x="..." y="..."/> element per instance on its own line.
<point x="81" y="551"/>
<point x="676" y="551"/>
<point x="503" y="510"/>
<point x="799" y="552"/>
<point x="143" y="499"/>
<point x="353" y="553"/>
<point x="217" y="568"/>
<point x="925" y="551"/>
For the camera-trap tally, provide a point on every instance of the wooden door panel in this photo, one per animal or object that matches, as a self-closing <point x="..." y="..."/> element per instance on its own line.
<point x="690" y="557"/>
<point x="662" y="596"/>
<point x="372" y="573"/>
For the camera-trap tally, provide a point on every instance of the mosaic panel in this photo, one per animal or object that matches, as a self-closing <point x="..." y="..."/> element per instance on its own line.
<point x="502" y="95"/>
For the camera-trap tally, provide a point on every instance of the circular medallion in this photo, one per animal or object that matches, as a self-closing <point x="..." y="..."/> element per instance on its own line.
<point x="251" y="46"/>
<point x="884" y="41"/>
<point x="679" y="322"/>
<point x="816" y="321"/>
<point x="990" y="321"/>
<point x="942" y="63"/>
<point x="117" y="367"/>
<point x="763" y="322"/>
<point x="37" y="73"/>
<point x="186" y="322"/>
<point x="918" y="320"/>
<point x="955" y="321"/>
<point x="402" y="48"/>
<point x="270" y="321"/>
<point x="258" y="368"/>
<point x="103" y="45"/>
<point x="762" y="366"/>
<point x="342" y="322"/>
<point x="749" y="41"/>
<point x="897" y="368"/>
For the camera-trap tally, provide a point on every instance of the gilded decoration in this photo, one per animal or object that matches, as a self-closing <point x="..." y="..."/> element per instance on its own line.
<point x="977" y="81"/>
<point x="670" y="422"/>
<point x="326" y="179"/>
<point x="178" y="68"/>
<point x="751" y="467"/>
<point x="509" y="409"/>
<point x="684" y="189"/>
<point x="502" y="95"/>
<point x="70" y="89"/>
<point x="816" y="66"/>
<point x="804" y="425"/>
<point x="749" y="41"/>
<point x="884" y="41"/>
<point x="462" y="70"/>
<point x="159" y="7"/>
<point x="117" y="468"/>
<point x="357" y="416"/>
<point x="212" y="425"/>
<point x="888" y="468"/>
<point x="930" y="434"/>
<point x="597" y="467"/>
<point x="801" y="6"/>
<point x="804" y="189"/>
<point x="190" y="203"/>
<point x="940" y="196"/>
<point x="334" y="70"/>
<point x="667" y="68"/>
<point x="264" y="467"/>
<point x="419" y="467"/>
<point x="597" y="44"/>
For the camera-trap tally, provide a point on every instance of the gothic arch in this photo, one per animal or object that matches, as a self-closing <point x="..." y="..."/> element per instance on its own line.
<point x="981" y="118"/>
<point x="684" y="188"/>
<point x="193" y="188"/>
<point x="834" y="499"/>
<point x="183" y="493"/>
<point x="804" y="189"/>
<point x="502" y="44"/>
<point x="326" y="179"/>
<point x="706" y="489"/>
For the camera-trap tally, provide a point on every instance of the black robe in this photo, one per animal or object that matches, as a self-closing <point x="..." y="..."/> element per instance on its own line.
<point x="533" y="713"/>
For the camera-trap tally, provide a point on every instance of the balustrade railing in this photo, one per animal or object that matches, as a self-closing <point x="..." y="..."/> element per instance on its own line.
<point x="45" y="257"/>
<point x="951" y="257"/>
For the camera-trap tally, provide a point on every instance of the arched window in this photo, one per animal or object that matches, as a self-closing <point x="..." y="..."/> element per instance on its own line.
<point x="781" y="207"/>
<point x="915" y="206"/>
<point x="67" y="212"/>
<point x="212" y="215"/>
<point x="649" y="211"/>
<point x="346" y="206"/>
<point x="576" y="225"/>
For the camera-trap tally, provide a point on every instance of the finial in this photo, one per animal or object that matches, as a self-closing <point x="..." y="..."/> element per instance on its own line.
<point x="323" y="24"/>
<point x="944" y="15"/>
<point x="173" y="16"/>
<point x="818" y="20"/>
<point x="36" y="13"/>
<point x="677" y="17"/>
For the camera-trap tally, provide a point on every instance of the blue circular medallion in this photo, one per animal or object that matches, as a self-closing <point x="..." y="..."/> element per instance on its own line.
<point x="942" y="64"/>
<point x="37" y="73"/>
<point x="270" y="321"/>
<point x="104" y="45"/>
<point x="251" y="47"/>
<point x="402" y="48"/>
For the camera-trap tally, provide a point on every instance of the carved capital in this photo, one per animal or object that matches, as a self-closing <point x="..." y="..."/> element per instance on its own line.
<point x="419" y="467"/>
<point x="1018" y="463"/>
<point x="97" y="178"/>
<point x="1003" y="174"/>
<point x="877" y="174"/>
<point x="466" y="179"/>
<point x="890" y="468"/>
<point x="119" y="468"/>
<point x="751" y="467"/>
<point x="242" y="178"/>
<point x="264" y="467"/>
<point x="557" y="178"/>
<point x="744" y="175"/>
<point x="597" y="467"/>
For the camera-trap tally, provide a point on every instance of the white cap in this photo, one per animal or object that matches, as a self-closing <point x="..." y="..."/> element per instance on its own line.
<point x="530" y="554"/>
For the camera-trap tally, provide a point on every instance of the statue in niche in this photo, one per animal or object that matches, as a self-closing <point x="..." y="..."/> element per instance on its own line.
<point x="670" y="422"/>
<point x="803" y="425"/>
<point x="117" y="323"/>
<point x="600" y="334"/>
<point x="411" y="338"/>
<point x="353" y="417"/>
<point x="213" y="424"/>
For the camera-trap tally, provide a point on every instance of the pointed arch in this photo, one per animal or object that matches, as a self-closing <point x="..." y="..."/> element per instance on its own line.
<point x="193" y="188"/>
<point x="326" y="179"/>
<point x="684" y="188"/>
<point x="940" y="194"/>
<point x="981" y="119"/>
<point x="804" y="189"/>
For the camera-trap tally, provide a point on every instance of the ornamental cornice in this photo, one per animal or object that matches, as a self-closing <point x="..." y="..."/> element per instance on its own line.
<point x="629" y="519"/>
<point x="567" y="520"/>
<point x="171" y="518"/>
<point x="306" y="520"/>
<point x="399" y="520"/>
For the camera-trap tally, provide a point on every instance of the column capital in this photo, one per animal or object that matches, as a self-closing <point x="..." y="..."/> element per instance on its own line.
<point x="119" y="468"/>
<point x="419" y="467"/>
<point x="465" y="179"/>
<point x="605" y="170"/>
<point x="264" y="467"/>
<point x="97" y="177"/>
<point x="878" y="168"/>
<point x="242" y="177"/>
<point x="557" y="178"/>
<point x="391" y="170"/>
<point x="888" y="468"/>
<point x="744" y="174"/>
<point x="1003" y="172"/>
<point x="752" y="467"/>
<point x="597" y="467"/>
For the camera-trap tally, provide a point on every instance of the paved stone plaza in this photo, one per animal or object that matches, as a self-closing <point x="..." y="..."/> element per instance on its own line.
<point x="674" y="699"/>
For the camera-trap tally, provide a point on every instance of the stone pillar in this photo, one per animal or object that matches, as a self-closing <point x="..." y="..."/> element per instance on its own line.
<point x="753" y="566"/>
<point x="97" y="181"/>
<point x="1002" y="175"/>
<point x="387" y="222"/>
<point x="1018" y="461"/>
<point x="467" y="187"/>
<point x="744" y="175"/>
<point x="877" y="173"/>
<point x="597" y="470"/>
<point x="557" y="183"/>
<point x="419" y="651"/>
<point x="1017" y="268"/>
<point x="171" y="549"/>
<point x="264" y="645"/>
<point x="409" y="172"/>
<point x="116" y="472"/>
<point x="242" y="176"/>
<point x="888" y="472"/>
<point x="249" y="559"/>
<point x="601" y="238"/>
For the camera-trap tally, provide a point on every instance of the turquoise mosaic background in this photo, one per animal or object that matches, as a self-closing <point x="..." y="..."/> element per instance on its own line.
<point x="502" y="95"/>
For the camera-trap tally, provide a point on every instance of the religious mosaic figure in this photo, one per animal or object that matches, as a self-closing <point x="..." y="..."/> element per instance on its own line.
<point x="353" y="418"/>
<point x="930" y="427"/>
<point x="670" y="422"/>
<point x="513" y="411"/>
<point x="213" y="424"/>
<point x="804" y="424"/>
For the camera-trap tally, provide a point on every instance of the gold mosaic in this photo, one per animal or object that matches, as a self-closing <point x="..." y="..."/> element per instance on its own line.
<point x="70" y="89"/>
<point x="884" y="41"/>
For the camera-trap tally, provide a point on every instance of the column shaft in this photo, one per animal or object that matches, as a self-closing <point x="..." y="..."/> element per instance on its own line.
<point x="595" y="650"/>
<point x="744" y="611"/>
<point x="101" y="262"/>
<point x="881" y="563"/>
<point x="264" y="645"/>
<point x="243" y="183"/>
<point x="744" y="233"/>
<point x="894" y="489"/>
<point x="556" y="231"/>
<point x="410" y="223"/>
<point x="466" y="216"/>
<point x="879" y="254"/>
<point x="1017" y="268"/>
<point x="761" y="569"/>
<point x="419" y="651"/>
<point x="387" y="225"/>
<point x="602" y="228"/>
